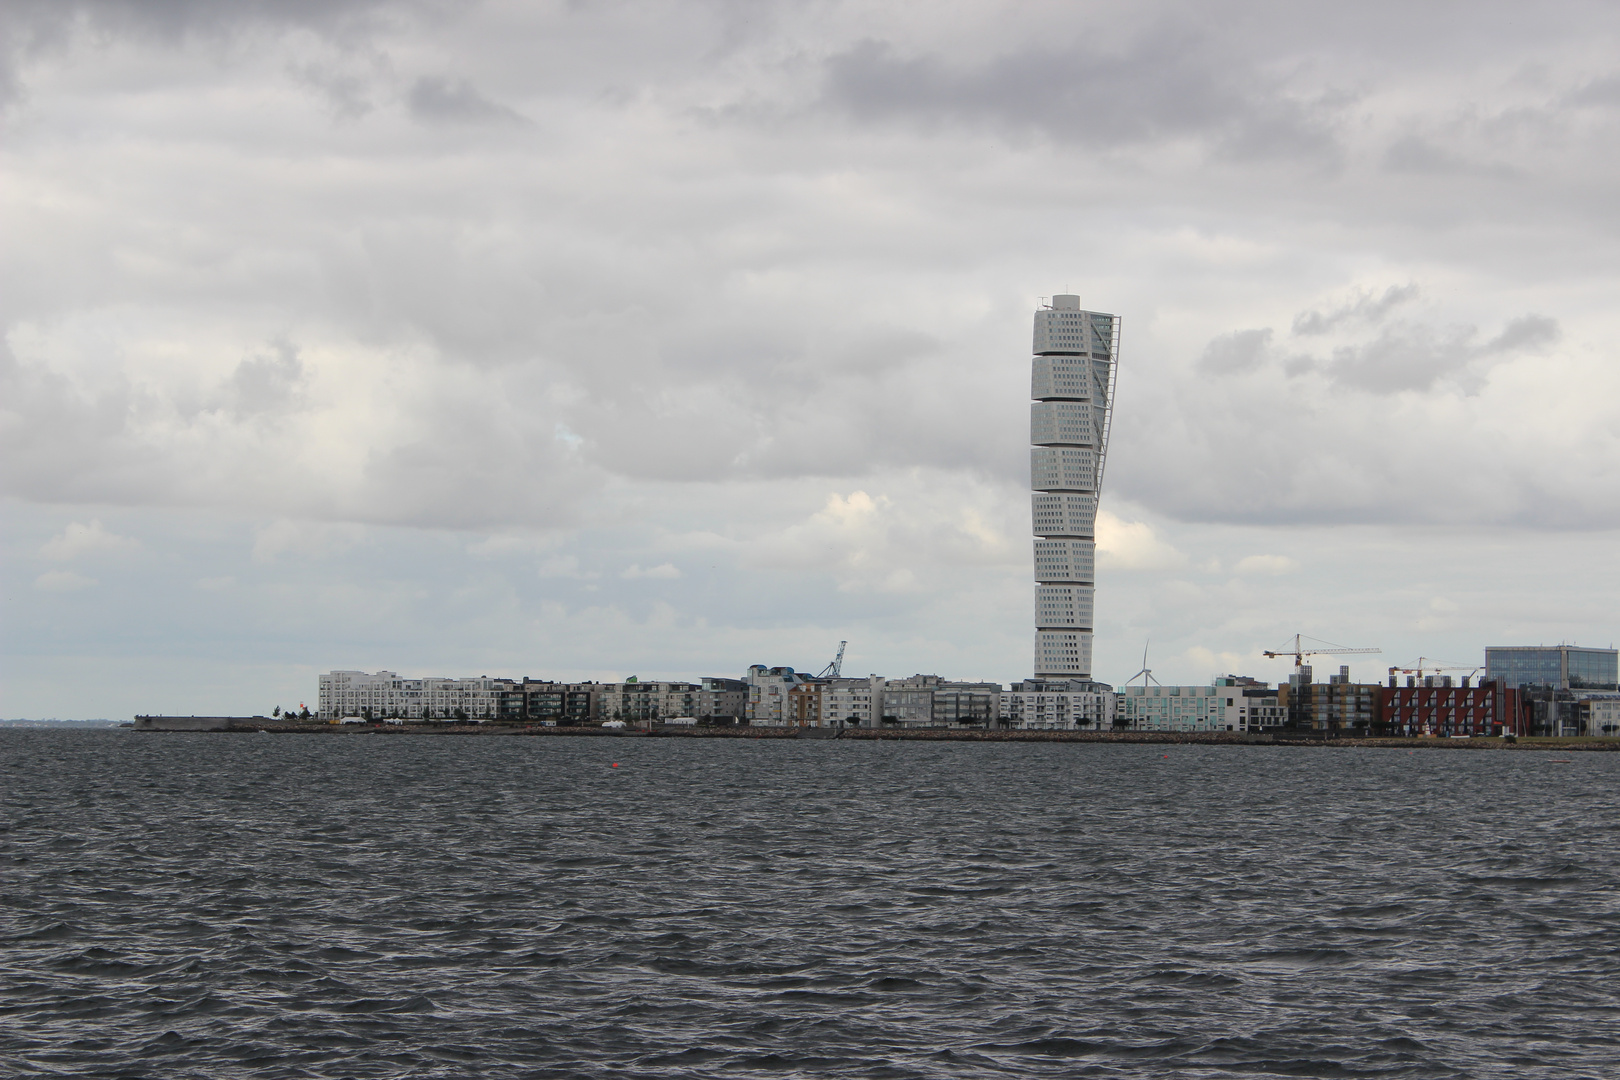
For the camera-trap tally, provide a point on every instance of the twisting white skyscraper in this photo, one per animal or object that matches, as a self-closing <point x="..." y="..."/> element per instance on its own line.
<point x="1073" y="387"/>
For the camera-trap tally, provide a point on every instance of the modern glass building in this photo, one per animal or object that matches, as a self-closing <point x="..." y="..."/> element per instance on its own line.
<point x="1073" y="387"/>
<point x="1553" y="667"/>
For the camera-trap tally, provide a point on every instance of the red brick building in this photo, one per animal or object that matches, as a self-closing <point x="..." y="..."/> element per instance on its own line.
<point x="1435" y="709"/>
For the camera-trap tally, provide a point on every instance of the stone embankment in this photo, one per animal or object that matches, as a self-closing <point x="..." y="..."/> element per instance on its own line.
<point x="266" y="724"/>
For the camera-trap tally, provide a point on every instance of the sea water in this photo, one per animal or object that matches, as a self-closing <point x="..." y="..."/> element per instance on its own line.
<point x="353" y="905"/>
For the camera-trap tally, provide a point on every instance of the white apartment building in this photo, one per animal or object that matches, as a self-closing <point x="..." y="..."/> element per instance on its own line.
<point x="853" y="702"/>
<point x="385" y="693"/>
<point x="643" y="702"/>
<point x="768" y="695"/>
<point x="1036" y="706"/>
<point x="1249" y="705"/>
<point x="1602" y="714"/>
<point x="782" y="697"/>
<point x="1072" y="384"/>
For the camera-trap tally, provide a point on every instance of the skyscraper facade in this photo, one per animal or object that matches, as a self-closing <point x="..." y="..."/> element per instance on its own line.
<point x="1073" y="386"/>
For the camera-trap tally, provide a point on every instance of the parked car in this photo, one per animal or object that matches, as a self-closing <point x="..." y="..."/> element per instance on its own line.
<point x="614" y="723"/>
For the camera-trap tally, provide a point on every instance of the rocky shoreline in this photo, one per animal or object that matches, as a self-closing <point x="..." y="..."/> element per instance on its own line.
<point x="1309" y="739"/>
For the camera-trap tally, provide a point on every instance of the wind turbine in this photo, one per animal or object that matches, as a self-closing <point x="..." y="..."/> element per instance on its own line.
<point x="1146" y="673"/>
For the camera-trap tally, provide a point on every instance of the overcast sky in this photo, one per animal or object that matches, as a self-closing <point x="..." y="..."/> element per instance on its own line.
<point x="583" y="340"/>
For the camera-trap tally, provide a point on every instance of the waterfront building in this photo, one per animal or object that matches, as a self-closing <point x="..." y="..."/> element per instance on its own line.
<point x="1601" y="715"/>
<point x="1553" y="667"/>
<point x="637" y="702"/>
<point x="1250" y="705"/>
<point x="803" y="705"/>
<point x="909" y="702"/>
<point x="920" y="701"/>
<point x="545" y="702"/>
<point x="768" y="704"/>
<point x="1072" y="383"/>
<point x="1058" y="705"/>
<point x="1441" y="709"/>
<point x="811" y="701"/>
<point x="966" y="704"/>
<point x="1553" y="681"/>
<point x="387" y="694"/>
<point x="1228" y="703"/>
<point x="1336" y="705"/>
<point x="1172" y="708"/>
<point x="724" y="698"/>
<point x="852" y="702"/>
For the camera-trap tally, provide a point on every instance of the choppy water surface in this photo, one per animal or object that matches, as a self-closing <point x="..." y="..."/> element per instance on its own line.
<point x="177" y="905"/>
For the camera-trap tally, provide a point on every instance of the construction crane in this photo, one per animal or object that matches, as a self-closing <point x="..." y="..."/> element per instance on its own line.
<point x="1299" y="652"/>
<point x="836" y="668"/>
<point x="1429" y="663"/>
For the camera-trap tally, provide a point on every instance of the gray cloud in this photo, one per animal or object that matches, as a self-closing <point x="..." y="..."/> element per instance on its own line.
<point x="35" y="31"/>
<point x="1367" y="307"/>
<point x="348" y="94"/>
<point x="439" y="100"/>
<point x="1239" y="351"/>
<point x="767" y="258"/>
<point x="1166" y="83"/>
<point x="267" y="384"/>
<point x="1414" y="357"/>
<point x="1599" y="93"/>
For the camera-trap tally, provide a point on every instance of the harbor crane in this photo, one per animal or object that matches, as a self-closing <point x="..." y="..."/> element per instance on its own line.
<point x="835" y="669"/>
<point x="1299" y="652"/>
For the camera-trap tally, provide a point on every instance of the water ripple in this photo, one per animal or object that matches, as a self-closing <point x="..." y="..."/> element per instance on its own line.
<point x="311" y="907"/>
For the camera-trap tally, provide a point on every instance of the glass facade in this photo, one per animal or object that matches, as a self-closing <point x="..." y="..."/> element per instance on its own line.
<point x="1555" y="667"/>
<point x="1592" y="669"/>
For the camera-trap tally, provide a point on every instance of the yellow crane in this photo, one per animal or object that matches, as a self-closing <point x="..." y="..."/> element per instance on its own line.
<point x="1429" y="663"/>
